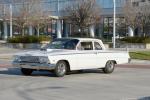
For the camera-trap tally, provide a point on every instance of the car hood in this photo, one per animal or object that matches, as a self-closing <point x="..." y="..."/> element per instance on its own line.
<point x="49" y="52"/>
<point x="53" y="52"/>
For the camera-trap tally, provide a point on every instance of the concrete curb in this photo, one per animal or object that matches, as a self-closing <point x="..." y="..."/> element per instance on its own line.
<point x="3" y="69"/>
<point x="6" y="56"/>
<point x="133" y="61"/>
<point x="137" y="61"/>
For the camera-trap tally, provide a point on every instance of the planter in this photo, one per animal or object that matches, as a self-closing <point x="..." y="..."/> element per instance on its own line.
<point x="39" y="45"/>
<point x="134" y="45"/>
<point x="106" y="46"/>
<point x="148" y="46"/>
<point x="24" y="45"/>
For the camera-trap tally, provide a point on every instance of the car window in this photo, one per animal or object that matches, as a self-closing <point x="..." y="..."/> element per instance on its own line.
<point x="97" y="46"/>
<point x="71" y="44"/>
<point x="85" y="46"/>
<point x="63" y="44"/>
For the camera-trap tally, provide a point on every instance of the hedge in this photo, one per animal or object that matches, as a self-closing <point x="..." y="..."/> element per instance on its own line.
<point x="136" y="39"/>
<point x="28" y="39"/>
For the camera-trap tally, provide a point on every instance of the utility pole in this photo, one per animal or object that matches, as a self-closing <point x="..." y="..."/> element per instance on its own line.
<point x="58" y="21"/>
<point x="114" y="25"/>
<point x="10" y="20"/>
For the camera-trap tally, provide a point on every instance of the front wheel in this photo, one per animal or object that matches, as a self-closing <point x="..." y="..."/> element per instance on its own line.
<point x="61" y="69"/>
<point x="109" y="67"/>
<point x="26" y="71"/>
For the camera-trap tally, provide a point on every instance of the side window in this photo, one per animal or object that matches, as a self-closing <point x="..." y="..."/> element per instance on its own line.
<point x="97" y="46"/>
<point x="71" y="44"/>
<point x="85" y="46"/>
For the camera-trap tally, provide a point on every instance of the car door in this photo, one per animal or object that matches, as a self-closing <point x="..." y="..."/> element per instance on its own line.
<point x="86" y="56"/>
<point x="101" y="55"/>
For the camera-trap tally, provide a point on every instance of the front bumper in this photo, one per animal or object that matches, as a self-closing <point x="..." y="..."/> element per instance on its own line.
<point x="36" y="66"/>
<point x="129" y="60"/>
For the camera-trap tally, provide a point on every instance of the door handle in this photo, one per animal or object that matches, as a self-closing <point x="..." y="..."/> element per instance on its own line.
<point x="96" y="53"/>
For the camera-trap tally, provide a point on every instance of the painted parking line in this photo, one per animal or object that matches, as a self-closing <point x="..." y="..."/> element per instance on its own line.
<point x="3" y="69"/>
<point x="140" y="66"/>
<point x="5" y="65"/>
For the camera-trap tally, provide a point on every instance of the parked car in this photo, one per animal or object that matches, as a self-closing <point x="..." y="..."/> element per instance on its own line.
<point x="67" y="54"/>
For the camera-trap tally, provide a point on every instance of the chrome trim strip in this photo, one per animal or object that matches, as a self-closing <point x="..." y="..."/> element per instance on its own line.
<point x="92" y="52"/>
<point x="36" y="66"/>
<point x="129" y="60"/>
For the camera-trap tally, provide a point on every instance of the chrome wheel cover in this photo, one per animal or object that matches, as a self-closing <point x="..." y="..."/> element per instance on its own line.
<point x="61" y="69"/>
<point x="110" y="65"/>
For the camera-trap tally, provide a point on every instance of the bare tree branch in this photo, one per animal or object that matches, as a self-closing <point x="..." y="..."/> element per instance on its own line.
<point x="83" y="13"/>
<point x="29" y="12"/>
<point x="130" y="14"/>
<point x="137" y="16"/>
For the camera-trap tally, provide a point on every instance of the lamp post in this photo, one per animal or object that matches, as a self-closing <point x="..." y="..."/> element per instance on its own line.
<point x="114" y="24"/>
<point x="58" y="7"/>
<point x="10" y="20"/>
<point x="58" y="21"/>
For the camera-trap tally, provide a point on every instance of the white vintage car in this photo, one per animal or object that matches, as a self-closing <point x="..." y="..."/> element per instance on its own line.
<point x="67" y="54"/>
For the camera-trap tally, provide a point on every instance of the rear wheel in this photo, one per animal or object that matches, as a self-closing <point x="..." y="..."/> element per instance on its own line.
<point x="61" y="69"/>
<point x="109" y="67"/>
<point x="26" y="71"/>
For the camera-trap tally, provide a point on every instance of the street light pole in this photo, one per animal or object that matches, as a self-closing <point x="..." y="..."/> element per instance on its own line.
<point x="58" y="21"/>
<point x="10" y="20"/>
<point x="114" y="25"/>
<point x="58" y="7"/>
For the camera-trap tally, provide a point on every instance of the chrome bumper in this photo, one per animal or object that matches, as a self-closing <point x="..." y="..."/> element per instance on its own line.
<point x="36" y="66"/>
<point x="129" y="60"/>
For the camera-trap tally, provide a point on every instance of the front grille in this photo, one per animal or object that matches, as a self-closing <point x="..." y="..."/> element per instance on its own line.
<point x="30" y="59"/>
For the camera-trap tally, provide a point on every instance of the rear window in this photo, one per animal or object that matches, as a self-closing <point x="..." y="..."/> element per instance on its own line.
<point x="85" y="46"/>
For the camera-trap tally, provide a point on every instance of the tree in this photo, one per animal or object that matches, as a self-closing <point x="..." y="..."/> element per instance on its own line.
<point x="144" y="19"/>
<point x="39" y="21"/>
<point x="130" y="14"/>
<point x="29" y="12"/>
<point x="83" y="14"/>
<point x="21" y="15"/>
<point x="137" y="17"/>
<point x="39" y="18"/>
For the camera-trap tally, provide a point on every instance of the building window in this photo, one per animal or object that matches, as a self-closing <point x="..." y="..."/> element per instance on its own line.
<point x="135" y="4"/>
<point x="142" y="0"/>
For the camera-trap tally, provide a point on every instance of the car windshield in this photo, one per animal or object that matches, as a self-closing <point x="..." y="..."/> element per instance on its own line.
<point x="62" y="44"/>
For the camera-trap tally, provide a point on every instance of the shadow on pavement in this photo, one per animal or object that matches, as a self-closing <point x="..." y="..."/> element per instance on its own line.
<point x="144" y="98"/>
<point x="16" y="71"/>
<point x="11" y="71"/>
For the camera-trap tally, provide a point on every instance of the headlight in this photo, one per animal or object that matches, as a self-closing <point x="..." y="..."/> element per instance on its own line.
<point x="44" y="60"/>
<point x="16" y="58"/>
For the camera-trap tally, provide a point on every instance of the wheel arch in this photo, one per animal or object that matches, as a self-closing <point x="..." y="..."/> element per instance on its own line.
<point x="67" y="62"/>
<point x="115" y="62"/>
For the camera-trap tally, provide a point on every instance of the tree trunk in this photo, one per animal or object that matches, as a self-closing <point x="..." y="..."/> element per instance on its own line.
<point x="23" y="31"/>
<point x="130" y="31"/>
<point x="144" y="34"/>
<point x="92" y="33"/>
<point x="81" y="32"/>
<point x="38" y="31"/>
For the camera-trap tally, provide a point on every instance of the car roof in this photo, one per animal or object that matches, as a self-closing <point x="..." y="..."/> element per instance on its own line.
<point x="81" y="39"/>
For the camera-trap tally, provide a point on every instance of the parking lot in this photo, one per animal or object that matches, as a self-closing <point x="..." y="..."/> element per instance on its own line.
<point x="128" y="82"/>
<point x="123" y="84"/>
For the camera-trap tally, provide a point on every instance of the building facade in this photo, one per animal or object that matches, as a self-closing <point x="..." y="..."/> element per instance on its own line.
<point x="139" y="3"/>
<point x="58" y="26"/>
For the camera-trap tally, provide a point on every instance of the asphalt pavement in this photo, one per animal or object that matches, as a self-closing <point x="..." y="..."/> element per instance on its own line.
<point x="6" y="56"/>
<point x="127" y="82"/>
<point x="122" y="84"/>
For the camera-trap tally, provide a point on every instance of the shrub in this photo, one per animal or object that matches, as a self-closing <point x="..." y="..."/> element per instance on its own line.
<point x="136" y="39"/>
<point x="44" y="38"/>
<point x="82" y="35"/>
<point x="28" y="39"/>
